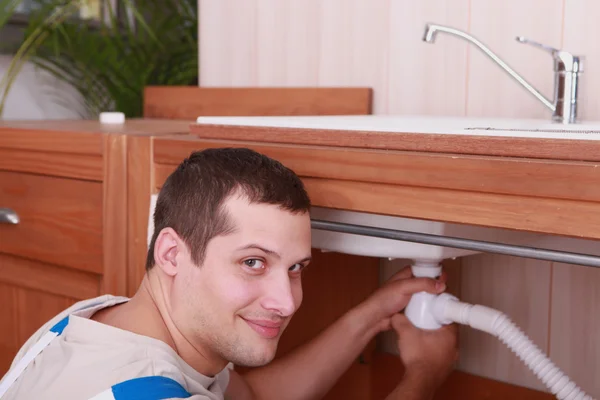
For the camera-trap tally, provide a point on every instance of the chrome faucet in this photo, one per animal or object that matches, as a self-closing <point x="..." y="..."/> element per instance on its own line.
<point x="567" y="70"/>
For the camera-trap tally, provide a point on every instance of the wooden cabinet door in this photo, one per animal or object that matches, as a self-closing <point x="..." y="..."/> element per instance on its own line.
<point x="31" y="293"/>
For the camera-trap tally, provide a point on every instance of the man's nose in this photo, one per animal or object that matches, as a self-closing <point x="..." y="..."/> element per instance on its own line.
<point x="279" y="296"/>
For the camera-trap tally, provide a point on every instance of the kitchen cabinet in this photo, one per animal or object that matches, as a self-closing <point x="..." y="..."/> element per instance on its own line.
<point x="66" y="182"/>
<point x="427" y="183"/>
<point x="75" y="187"/>
<point x="96" y="242"/>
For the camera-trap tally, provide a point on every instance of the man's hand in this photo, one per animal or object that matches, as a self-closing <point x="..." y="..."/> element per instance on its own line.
<point x="428" y="355"/>
<point x="395" y="294"/>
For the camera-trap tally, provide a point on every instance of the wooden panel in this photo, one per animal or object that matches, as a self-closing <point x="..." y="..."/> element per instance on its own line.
<point x="332" y="285"/>
<point x="521" y="213"/>
<point x="424" y="78"/>
<point x="81" y="134"/>
<point x="520" y="288"/>
<point x="305" y="43"/>
<point x="139" y="188"/>
<point x="387" y="370"/>
<point x="48" y="278"/>
<point x="556" y="179"/>
<point x="230" y="60"/>
<point x="491" y="91"/>
<point x="580" y="29"/>
<point x="285" y="44"/>
<point x="34" y="309"/>
<point x="186" y="102"/>
<point x="115" y="216"/>
<point x="350" y="32"/>
<point x="78" y="166"/>
<point x="61" y="220"/>
<point x="9" y="340"/>
<point x="575" y="323"/>
<point x="483" y="209"/>
<point x="38" y="135"/>
<point x="554" y="149"/>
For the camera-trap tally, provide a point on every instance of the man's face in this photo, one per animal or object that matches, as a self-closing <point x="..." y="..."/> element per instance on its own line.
<point x="239" y="301"/>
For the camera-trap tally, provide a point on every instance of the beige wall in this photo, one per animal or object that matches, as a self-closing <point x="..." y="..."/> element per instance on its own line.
<point x="377" y="43"/>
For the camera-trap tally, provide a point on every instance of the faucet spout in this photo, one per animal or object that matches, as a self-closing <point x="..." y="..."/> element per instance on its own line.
<point x="430" y="34"/>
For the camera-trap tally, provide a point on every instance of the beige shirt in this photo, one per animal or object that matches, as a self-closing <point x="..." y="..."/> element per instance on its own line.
<point x="90" y="357"/>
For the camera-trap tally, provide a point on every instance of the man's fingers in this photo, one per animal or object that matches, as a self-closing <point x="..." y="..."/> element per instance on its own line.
<point x="400" y="322"/>
<point x="416" y="285"/>
<point x="404" y="273"/>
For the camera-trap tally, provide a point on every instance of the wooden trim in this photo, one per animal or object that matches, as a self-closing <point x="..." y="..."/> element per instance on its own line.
<point x="387" y="370"/>
<point x="554" y="216"/>
<point x="502" y="175"/>
<point x="60" y="220"/>
<point x="40" y="138"/>
<point x="189" y="102"/>
<point x="77" y="166"/>
<point x="532" y="214"/>
<point x="85" y="127"/>
<point x="48" y="278"/>
<point x="554" y="149"/>
<point x="377" y="181"/>
<point x="139" y="187"/>
<point x="114" y="280"/>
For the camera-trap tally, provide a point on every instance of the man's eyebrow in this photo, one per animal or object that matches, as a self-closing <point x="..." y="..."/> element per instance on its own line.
<point x="261" y="248"/>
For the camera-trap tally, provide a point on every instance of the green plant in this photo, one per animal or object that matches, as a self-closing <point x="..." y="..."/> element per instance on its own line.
<point x="7" y="9"/>
<point x="110" y="63"/>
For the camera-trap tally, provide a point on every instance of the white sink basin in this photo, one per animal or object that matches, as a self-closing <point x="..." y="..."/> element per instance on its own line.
<point x="511" y="127"/>
<point x="389" y="248"/>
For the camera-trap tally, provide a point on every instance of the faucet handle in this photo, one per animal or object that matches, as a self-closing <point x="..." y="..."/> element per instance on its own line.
<point x="549" y="49"/>
<point x="563" y="60"/>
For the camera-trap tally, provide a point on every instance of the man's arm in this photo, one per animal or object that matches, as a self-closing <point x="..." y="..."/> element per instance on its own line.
<point x="428" y="358"/>
<point x="312" y="370"/>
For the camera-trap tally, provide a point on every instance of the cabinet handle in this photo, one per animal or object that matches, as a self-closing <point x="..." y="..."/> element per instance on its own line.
<point x="8" y="216"/>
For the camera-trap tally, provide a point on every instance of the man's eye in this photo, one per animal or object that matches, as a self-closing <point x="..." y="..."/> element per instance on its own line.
<point x="254" y="263"/>
<point x="296" y="268"/>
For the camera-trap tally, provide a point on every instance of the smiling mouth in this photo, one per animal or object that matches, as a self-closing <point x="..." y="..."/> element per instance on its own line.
<point x="266" y="329"/>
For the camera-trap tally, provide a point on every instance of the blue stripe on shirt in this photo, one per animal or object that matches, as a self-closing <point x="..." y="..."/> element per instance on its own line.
<point x="149" y="388"/>
<point x="60" y="326"/>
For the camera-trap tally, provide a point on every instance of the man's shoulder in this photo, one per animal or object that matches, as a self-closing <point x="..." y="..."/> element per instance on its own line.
<point x="66" y="372"/>
<point x="80" y="308"/>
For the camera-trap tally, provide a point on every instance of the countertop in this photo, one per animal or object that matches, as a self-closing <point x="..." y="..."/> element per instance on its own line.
<point x="529" y="138"/>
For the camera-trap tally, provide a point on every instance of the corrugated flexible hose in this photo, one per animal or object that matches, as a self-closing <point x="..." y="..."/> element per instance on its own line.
<point x="447" y="309"/>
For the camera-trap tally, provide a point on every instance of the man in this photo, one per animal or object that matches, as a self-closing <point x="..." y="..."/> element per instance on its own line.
<point x="223" y="280"/>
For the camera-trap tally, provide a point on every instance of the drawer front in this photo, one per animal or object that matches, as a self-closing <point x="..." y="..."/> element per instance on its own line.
<point x="59" y="220"/>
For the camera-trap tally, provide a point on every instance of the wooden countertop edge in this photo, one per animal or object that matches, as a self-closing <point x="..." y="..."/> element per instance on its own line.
<point x="555" y="149"/>
<point x="84" y="137"/>
<point x="340" y="181"/>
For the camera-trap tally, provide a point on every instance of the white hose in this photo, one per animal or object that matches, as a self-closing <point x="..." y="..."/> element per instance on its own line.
<point x="447" y="309"/>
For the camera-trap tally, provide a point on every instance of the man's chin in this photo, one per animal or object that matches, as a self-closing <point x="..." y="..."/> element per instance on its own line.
<point x="258" y="360"/>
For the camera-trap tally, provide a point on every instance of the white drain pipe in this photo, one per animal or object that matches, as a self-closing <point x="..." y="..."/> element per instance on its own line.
<point x="445" y="309"/>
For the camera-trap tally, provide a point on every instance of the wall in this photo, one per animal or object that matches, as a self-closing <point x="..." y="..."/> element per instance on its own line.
<point x="36" y="95"/>
<point x="377" y="43"/>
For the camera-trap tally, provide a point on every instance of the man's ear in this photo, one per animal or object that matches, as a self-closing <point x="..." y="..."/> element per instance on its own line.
<point x="166" y="248"/>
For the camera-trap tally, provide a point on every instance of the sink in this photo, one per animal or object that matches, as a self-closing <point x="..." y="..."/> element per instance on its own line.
<point x="389" y="248"/>
<point x="511" y="127"/>
<point x="397" y="249"/>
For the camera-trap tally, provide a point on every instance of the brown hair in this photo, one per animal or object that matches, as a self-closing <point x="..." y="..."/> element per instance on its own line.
<point x="191" y="200"/>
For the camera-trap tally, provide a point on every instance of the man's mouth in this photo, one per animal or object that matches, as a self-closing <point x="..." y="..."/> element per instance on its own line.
<point x="265" y="328"/>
